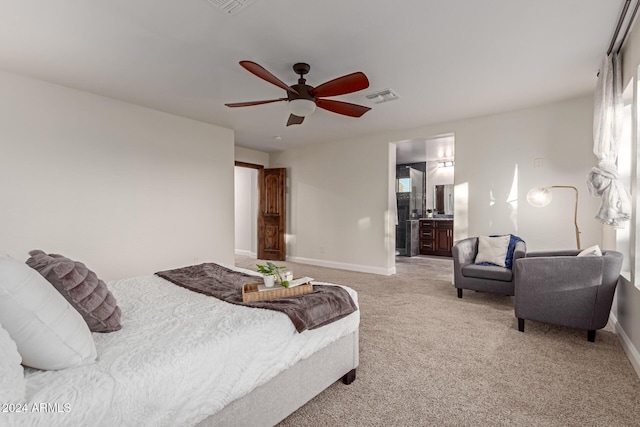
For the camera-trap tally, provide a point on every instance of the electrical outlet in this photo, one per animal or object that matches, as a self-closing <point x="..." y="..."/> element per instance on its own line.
<point x="538" y="163"/>
<point x="321" y="250"/>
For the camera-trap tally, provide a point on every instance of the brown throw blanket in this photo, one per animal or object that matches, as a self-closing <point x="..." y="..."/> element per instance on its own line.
<point x="324" y="305"/>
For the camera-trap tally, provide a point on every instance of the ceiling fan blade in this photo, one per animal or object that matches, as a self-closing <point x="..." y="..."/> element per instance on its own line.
<point x="294" y="120"/>
<point x="261" y="72"/>
<point x="342" y="85"/>
<point x="250" y="103"/>
<point x="344" y="108"/>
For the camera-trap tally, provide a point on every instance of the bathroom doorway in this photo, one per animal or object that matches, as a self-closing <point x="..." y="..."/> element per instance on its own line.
<point x="424" y="189"/>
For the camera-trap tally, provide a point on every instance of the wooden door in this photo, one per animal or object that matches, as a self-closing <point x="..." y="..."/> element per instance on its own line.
<point x="442" y="241"/>
<point x="443" y="237"/>
<point x="271" y="214"/>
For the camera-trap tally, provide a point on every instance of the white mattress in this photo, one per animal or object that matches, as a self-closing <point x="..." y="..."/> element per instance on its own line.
<point x="179" y="357"/>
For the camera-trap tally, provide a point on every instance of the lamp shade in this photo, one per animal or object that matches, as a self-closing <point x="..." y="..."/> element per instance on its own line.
<point x="302" y="107"/>
<point x="539" y="197"/>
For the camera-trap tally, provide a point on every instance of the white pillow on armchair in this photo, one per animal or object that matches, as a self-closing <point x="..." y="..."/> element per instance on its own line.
<point x="591" y="251"/>
<point x="493" y="250"/>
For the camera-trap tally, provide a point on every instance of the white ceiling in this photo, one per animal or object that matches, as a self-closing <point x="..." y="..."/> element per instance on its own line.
<point x="446" y="59"/>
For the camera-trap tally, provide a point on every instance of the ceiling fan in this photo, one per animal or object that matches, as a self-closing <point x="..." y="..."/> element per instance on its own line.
<point x="303" y="99"/>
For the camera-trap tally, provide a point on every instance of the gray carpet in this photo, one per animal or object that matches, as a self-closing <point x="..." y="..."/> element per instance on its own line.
<point x="429" y="358"/>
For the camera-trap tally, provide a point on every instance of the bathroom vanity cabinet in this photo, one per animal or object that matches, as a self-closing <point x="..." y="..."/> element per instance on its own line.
<point x="436" y="236"/>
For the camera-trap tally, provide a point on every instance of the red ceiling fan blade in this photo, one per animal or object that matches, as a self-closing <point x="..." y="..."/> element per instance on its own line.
<point x="294" y="120"/>
<point x="250" y="103"/>
<point x="342" y="85"/>
<point x="344" y="108"/>
<point x="259" y="71"/>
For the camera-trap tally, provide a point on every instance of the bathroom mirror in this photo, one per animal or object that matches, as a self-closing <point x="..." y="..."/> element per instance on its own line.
<point x="443" y="199"/>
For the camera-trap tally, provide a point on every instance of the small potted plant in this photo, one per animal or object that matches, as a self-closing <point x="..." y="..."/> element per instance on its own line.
<point x="271" y="273"/>
<point x="429" y="213"/>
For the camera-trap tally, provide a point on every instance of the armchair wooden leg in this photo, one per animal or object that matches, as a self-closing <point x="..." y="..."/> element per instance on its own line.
<point x="520" y="324"/>
<point x="591" y="335"/>
<point x="459" y="293"/>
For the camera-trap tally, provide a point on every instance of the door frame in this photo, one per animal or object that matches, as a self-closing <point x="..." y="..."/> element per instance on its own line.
<point x="248" y="165"/>
<point x="281" y="256"/>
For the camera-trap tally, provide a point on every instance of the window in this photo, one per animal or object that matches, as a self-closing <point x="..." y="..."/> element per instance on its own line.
<point x="623" y="242"/>
<point x="403" y="185"/>
<point x="627" y="240"/>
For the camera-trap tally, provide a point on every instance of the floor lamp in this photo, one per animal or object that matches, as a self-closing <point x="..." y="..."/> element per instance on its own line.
<point x="540" y="197"/>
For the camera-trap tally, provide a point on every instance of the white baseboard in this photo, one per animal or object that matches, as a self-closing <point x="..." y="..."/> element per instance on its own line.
<point x="246" y="253"/>
<point x="627" y="345"/>
<point x="343" y="266"/>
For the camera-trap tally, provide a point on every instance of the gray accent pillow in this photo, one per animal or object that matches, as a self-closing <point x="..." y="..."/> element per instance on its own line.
<point x="81" y="287"/>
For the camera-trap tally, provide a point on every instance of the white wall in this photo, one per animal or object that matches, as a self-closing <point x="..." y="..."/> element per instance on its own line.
<point x="246" y="211"/>
<point x="495" y="167"/>
<point x="124" y="189"/>
<point x="339" y="196"/>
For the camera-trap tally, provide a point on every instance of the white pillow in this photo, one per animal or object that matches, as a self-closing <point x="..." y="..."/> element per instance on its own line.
<point x="12" y="383"/>
<point x="49" y="333"/>
<point x="591" y="251"/>
<point x="493" y="249"/>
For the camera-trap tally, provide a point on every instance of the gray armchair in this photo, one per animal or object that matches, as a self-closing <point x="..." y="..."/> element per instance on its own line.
<point x="487" y="278"/>
<point x="559" y="288"/>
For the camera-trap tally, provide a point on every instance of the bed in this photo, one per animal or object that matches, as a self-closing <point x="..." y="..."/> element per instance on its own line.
<point x="184" y="359"/>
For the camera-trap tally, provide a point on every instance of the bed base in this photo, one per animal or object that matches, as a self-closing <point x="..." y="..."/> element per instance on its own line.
<point x="272" y="402"/>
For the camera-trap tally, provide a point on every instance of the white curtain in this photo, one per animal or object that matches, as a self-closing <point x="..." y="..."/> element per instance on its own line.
<point x="607" y="128"/>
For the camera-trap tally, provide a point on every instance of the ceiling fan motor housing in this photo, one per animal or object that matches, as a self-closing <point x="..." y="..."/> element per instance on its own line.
<point x="304" y="92"/>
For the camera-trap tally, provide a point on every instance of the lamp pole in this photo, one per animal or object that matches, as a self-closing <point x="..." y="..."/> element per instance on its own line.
<point x="575" y="212"/>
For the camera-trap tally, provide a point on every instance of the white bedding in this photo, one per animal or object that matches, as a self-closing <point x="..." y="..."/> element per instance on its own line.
<point x="179" y="357"/>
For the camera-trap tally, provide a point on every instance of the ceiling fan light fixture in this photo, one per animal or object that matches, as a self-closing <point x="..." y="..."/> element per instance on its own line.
<point x="302" y="107"/>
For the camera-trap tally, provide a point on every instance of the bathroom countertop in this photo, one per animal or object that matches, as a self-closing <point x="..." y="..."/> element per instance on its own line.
<point x="431" y="219"/>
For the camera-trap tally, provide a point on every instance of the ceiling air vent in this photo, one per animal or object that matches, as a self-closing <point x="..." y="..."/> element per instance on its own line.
<point x="381" y="96"/>
<point x="231" y="7"/>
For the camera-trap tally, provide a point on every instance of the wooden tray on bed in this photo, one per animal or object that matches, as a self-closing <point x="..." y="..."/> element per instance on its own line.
<point x="250" y="292"/>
